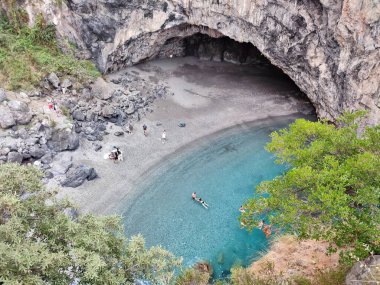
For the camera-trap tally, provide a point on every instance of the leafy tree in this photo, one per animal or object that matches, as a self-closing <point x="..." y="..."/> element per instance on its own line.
<point x="43" y="241"/>
<point x="332" y="188"/>
<point x="192" y="276"/>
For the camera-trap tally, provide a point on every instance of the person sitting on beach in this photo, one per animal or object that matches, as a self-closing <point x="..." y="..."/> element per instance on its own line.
<point x="145" y="128"/>
<point x="115" y="154"/>
<point x="194" y="195"/>
<point x="112" y="155"/>
<point x="130" y="128"/>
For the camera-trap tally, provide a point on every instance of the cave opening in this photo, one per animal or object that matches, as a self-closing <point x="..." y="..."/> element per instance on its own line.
<point x="209" y="45"/>
<point x="206" y="47"/>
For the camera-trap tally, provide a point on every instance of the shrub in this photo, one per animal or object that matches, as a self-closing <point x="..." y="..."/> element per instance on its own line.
<point x="29" y="54"/>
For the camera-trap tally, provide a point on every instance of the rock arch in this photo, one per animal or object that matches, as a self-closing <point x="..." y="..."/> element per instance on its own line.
<point x="330" y="48"/>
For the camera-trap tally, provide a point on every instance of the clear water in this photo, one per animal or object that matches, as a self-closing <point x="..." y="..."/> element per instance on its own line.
<point x="223" y="169"/>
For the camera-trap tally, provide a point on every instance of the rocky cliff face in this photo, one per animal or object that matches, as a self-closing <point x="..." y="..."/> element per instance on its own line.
<point x="330" y="48"/>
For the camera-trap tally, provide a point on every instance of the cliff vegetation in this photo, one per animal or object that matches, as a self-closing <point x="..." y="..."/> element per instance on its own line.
<point x="27" y="54"/>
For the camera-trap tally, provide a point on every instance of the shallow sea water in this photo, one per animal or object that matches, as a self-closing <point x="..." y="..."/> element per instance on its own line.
<point x="224" y="170"/>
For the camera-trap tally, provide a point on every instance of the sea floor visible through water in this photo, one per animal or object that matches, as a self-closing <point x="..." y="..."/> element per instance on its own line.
<point x="223" y="169"/>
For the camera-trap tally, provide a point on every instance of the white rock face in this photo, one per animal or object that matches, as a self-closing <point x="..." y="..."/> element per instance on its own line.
<point x="330" y="48"/>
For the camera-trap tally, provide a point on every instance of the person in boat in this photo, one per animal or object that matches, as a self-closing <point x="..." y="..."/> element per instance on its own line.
<point x="194" y="195"/>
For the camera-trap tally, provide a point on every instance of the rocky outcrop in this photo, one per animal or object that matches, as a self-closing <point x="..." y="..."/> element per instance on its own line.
<point x="76" y="175"/>
<point x="63" y="139"/>
<point x="365" y="272"/>
<point x="330" y="48"/>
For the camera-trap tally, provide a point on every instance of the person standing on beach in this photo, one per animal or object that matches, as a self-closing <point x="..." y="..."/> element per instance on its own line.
<point x="145" y="128"/>
<point x="130" y="128"/>
<point x="163" y="136"/>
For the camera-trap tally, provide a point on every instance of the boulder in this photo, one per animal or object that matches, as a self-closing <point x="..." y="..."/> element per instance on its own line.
<point x="4" y="151"/>
<point x="6" y="118"/>
<point x="77" y="175"/>
<point x="54" y="80"/>
<point x="131" y="109"/>
<point x="107" y="111"/>
<point x="66" y="83"/>
<point x="102" y="89"/>
<point x="97" y="147"/>
<point x="119" y="133"/>
<point x="14" y="156"/>
<point x="62" y="164"/>
<point x="78" y="115"/>
<point x="364" y="272"/>
<point x="19" y="106"/>
<point x="37" y="152"/>
<point x="63" y="139"/>
<point x="20" y="111"/>
<point x="3" y="95"/>
<point x="47" y="158"/>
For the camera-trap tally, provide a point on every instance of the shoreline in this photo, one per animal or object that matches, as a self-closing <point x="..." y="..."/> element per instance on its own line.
<point x="202" y="100"/>
<point x="164" y="163"/>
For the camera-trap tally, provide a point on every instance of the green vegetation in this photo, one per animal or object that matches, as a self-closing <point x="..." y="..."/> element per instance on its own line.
<point x="332" y="189"/>
<point x="242" y="276"/>
<point x="29" y="54"/>
<point x="40" y="244"/>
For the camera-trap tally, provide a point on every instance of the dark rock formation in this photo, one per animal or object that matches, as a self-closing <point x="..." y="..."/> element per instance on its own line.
<point x="76" y="175"/>
<point x="329" y="51"/>
<point x="63" y="139"/>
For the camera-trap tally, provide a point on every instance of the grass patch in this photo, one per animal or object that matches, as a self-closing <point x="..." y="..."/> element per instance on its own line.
<point x="29" y="54"/>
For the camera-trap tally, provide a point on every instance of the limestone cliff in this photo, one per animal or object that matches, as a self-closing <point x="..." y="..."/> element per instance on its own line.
<point x="330" y="48"/>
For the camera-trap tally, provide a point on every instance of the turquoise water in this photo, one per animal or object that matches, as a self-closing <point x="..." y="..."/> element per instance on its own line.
<point x="223" y="169"/>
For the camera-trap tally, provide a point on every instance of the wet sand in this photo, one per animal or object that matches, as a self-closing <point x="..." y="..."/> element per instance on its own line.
<point x="208" y="97"/>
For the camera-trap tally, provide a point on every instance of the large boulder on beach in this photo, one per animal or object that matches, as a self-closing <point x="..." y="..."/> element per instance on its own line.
<point x="77" y="175"/>
<point x="20" y="112"/>
<point x="63" y="139"/>
<point x="78" y="115"/>
<point x="36" y="151"/>
<point x="103" y="90"/>
<point x="54" y="80"/>
<point x="6" y="118"/>
<point x="15" y="157"/>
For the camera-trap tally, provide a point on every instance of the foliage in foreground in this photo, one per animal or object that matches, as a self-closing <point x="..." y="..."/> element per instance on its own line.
<point x="29" y="54"/>
<point x="242" y="276"/>
<point x="42" y="243"/>
<point x="332" y="189"/>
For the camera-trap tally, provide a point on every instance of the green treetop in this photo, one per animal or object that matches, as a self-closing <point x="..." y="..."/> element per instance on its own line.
<point x="332" y="189"/>
<point x="43" y="241"/>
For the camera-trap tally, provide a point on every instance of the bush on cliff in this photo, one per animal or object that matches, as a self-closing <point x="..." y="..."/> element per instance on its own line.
<point x="43" y="241"/>
<point x="332" y="189"/>
<point x="28" y="54"/>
